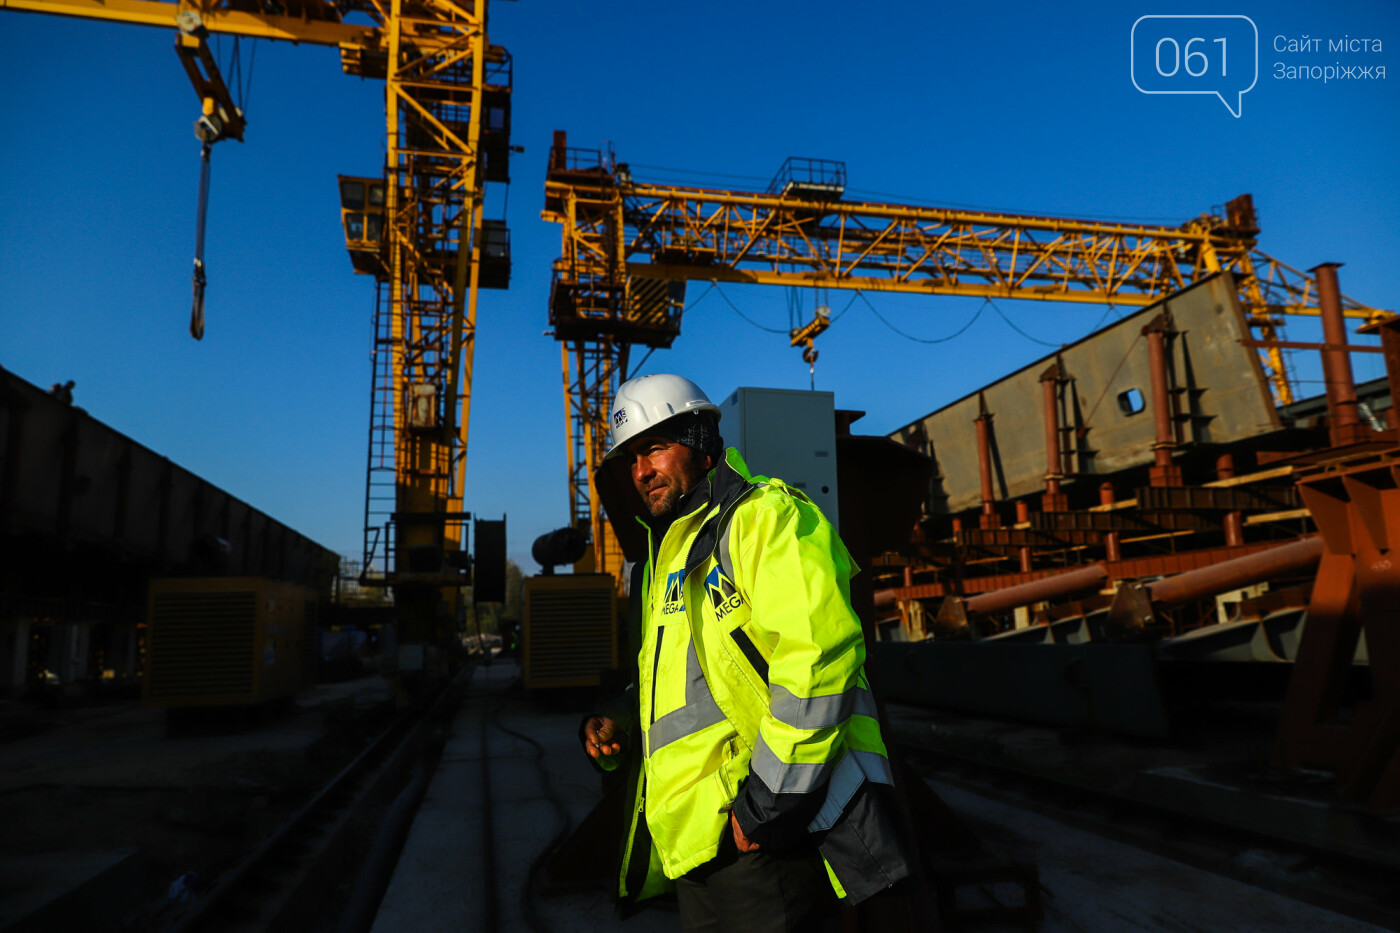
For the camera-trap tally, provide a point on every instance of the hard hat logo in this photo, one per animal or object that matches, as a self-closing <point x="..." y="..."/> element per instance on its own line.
<point x="644" y="402"/>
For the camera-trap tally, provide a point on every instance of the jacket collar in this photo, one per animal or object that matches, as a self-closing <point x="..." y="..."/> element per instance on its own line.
<point x="727" y="484"/>
<point x="724" y="486"/>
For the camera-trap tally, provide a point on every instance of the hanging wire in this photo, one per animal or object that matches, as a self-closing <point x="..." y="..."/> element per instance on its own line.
<point x="1109" y="382"/>
<point x="650" y="350"/>
<point x="246" y="95"/>
<point x="239" y="82"/>
<point x="957" y="333"/>
<point x="838" y="315"/>
<point x="794" y="305"/>
<point x="771" y="330"/>
<point x="1107" y="311"/>
<point x="1012" y="325"/>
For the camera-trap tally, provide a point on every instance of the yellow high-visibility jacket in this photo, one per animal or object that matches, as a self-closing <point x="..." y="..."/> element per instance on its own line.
<point x="750" y="693"/>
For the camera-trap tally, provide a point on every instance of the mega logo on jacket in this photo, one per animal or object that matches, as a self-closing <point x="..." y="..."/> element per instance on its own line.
<point x="675" y="593"/>
<point x="724" y="596"/>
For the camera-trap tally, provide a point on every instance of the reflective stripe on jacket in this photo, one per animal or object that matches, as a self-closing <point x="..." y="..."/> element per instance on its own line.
<point x="751" y="692"/>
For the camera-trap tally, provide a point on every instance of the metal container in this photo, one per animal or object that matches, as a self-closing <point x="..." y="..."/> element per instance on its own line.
<point x="788" y="434"/>
<point x="226" y="641"/>
<point x="570" y="630"/>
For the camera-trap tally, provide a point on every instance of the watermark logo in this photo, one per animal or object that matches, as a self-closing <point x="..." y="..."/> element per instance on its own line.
<point x="1178" y="54"/>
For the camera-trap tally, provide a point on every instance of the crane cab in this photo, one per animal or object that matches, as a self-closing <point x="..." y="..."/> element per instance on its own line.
<point x="362" y="217"/>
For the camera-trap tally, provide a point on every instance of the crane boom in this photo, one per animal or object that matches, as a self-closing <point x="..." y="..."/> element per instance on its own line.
<point x="307" y="21"/>
<point x="627" y="243"/>
<point x="447" y="124"/>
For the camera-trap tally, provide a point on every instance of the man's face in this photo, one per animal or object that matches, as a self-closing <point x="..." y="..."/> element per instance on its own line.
<point x="663" y="471"/>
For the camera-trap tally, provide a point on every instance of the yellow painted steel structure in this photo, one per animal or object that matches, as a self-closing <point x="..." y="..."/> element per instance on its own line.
<point x="446" y="117"/>
<point x="623" y="237"/>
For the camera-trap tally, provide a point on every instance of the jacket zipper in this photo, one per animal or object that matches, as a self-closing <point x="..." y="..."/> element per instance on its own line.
<point x="638" y="820"/>
<point x="655" y="666"/>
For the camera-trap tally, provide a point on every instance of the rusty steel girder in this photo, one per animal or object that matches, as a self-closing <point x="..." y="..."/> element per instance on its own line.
<point x="1057" y="523"/>
<point x="1217" y="498"/>
<point x="1355" y="501"/>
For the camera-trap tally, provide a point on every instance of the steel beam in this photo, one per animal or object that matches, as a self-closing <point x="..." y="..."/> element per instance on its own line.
<point x="1217" y="498"/>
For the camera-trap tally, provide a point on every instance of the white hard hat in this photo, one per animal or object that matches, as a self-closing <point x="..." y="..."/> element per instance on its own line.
<point x="644" y="402"/>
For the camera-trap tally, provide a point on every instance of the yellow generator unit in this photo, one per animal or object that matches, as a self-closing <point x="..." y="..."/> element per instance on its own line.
<point x="226" y="641"/>
<point x="570" y="630"/>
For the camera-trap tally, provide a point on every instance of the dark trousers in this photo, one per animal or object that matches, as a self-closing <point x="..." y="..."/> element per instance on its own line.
<point x="758" y="892"/>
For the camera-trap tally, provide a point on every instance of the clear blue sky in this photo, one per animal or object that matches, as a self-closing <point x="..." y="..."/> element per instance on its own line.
<point x="1022" y="107"/>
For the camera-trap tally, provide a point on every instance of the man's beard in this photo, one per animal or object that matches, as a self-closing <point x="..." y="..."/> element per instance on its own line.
<point x="666" y="505"/>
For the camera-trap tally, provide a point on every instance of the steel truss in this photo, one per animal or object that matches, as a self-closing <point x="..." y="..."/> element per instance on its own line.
<point x="622" y="238"/>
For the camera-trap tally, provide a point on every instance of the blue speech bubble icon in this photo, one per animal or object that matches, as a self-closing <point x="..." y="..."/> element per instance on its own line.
<point x="1179" y="54"/>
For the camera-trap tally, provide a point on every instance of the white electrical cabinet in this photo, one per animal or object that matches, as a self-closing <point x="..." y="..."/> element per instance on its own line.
<point x="788" y="434"/>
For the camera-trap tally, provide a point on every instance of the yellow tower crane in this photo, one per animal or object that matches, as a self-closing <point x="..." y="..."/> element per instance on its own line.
<point x="629" y="247"/>
<point x="419" y="229"/>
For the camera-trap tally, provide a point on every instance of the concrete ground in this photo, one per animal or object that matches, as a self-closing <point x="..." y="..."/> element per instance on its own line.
<point x="443" y="877"/>
<point x="100" y="803"/>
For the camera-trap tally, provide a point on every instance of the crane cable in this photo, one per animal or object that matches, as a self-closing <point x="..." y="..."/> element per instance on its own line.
<point x="197" y="310"/>
<point x="243" y="86"/>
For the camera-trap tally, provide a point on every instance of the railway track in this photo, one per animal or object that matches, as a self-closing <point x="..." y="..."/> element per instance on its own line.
<point x="289" y="881"/>
<point x="1363" y="889"/>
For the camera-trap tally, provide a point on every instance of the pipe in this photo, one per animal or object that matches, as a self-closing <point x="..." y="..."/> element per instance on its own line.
<point x="1054" y="500"/>
<point x="1023" y="515"/>
<point x="1023" y="594"/>
<point x="1297" y="557"/>
<point x="1049" y="384"/>
<point x="984" y="465"/>
<point x="1112" y="549"/>
<point x="1234" y="521"/>
<point x="1164" y="472"/>
<point x="1343" y="420"/>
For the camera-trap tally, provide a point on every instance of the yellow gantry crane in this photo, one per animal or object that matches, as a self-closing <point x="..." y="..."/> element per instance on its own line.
<point x="629" y="247"/>
<point x="418" y="229"/>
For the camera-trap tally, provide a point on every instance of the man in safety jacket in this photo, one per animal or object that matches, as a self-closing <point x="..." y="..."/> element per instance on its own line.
<point x="753" y="744"/>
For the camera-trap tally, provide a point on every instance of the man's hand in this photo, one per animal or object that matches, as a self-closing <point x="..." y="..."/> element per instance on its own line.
<point x="602" y="737"/>
<point x="741" y="842"/>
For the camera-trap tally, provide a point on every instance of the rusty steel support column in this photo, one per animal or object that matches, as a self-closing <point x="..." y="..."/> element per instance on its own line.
<point x="1354" y="503"/>
<point x="1054" y="500"/>
<point x="1112" y="549"/>
<point x="984" y="465"/>
<point x="1234" y="521"/>
<point x="1343" y="421"/>
<point x="1389" y="331"/>
<point x="1023" y="515"/>
<point x="1164" y="472"/>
